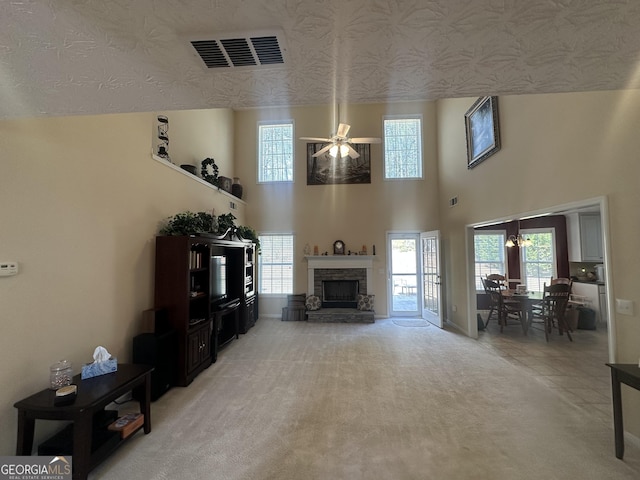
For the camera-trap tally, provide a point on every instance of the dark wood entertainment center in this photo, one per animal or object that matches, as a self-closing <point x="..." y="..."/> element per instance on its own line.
<point x="188" y="285"/>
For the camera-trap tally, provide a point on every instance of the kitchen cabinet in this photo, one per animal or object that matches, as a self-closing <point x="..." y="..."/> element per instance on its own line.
<point x="584" y="237"/>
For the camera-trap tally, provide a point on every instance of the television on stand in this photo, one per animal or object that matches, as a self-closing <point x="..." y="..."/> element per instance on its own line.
<point x="218" y="282"/>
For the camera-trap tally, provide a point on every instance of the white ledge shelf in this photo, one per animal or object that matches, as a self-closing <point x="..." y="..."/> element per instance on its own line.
<point x="197" y="179"/>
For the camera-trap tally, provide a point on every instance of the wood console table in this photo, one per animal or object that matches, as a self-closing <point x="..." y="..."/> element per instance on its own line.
<point x="629" y="374"/>
<point x="93" y="395"/>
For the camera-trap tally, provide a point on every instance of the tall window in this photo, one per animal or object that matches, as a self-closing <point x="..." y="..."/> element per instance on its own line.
<point x="538" y="260"/>
<point x="490" y="254"/>
<point x="402" y="147"/>
<point x="276" y="264"/>
<point x="275" y="152"/>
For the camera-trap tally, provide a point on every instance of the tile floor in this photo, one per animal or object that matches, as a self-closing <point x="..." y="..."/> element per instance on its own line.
<point x="575" y="369"/>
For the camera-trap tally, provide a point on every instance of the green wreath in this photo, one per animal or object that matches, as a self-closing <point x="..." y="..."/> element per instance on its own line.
<point x="209" y="171"/>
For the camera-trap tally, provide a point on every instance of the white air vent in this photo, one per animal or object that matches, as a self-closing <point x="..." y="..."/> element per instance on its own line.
<point x="233" y="51"/>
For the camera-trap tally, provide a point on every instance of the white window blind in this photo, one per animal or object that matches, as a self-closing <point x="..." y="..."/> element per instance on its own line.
<point x="402" y="147"/>
<point x="538" y="260"/>
<point x="275" y="152"/>
<point x="276" y="264"/>
<point x="489" y="254"/>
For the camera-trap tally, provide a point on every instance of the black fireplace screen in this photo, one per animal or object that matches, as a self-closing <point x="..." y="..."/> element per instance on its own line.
<point x="339" y="293"/>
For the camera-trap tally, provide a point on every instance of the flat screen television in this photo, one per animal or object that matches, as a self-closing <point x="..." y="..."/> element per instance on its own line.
<point x="218" y="280"/>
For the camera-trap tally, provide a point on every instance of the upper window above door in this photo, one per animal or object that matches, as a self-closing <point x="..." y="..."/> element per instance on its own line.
<point x="275" y="152"/>
<point x="402" y="147"/>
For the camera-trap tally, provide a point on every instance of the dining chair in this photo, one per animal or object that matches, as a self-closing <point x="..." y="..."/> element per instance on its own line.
<point x="499" y="279"/>
<point x="503" y="307"/>
<point x="553" y="308"/>
<point x="492" y="305"/>
<point x="537" y="308"/>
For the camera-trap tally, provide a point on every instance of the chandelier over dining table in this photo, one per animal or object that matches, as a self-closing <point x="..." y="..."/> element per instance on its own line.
<point x="518" y="240"/>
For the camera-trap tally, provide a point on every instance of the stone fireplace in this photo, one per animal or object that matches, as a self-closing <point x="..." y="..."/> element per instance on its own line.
<point x="337" y="280"/>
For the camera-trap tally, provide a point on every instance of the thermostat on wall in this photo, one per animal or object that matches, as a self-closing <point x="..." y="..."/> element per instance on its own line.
<point x="8" y="268"/>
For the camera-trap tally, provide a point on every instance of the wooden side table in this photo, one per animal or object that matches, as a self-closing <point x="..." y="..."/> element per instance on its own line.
<point x="93" y="395"/>
<point x="629" y="374"/>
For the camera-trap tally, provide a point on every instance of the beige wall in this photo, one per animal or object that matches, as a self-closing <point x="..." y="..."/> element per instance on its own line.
<point x="321" y="214"/>
<point x="556" y="149"/>
<point x="80" y="204"/>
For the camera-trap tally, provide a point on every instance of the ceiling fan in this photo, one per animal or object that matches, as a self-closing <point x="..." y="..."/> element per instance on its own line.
<point x="341" y="143"/>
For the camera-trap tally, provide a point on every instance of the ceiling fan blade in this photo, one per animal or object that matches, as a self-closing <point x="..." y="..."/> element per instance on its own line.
<point x="365" y="140"/>
<point x="343" y="130"/>
<point x="323" y="150"/>
<point x="352" y="152"/>
<point x="316" y="139"/>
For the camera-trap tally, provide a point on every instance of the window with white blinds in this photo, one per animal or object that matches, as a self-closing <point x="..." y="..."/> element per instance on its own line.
<point x="538" y="261"/>
<point x="402" y="147"/>
<point x="276" y="264"/>
<point x="490" y="254"/>
<point x="275" y="152"/>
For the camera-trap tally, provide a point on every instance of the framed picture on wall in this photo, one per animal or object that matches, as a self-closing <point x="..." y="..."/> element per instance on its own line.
<point x="328" y="170"/>
<point x="482" y="129"/>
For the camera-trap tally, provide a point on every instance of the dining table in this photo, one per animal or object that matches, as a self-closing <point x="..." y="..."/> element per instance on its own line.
<point x="526" y="301"/>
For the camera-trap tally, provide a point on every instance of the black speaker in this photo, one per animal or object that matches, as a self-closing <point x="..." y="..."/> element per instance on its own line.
<point x="161" y="352"/>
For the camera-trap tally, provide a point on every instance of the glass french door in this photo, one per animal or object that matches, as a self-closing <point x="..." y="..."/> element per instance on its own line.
<point x="404" y="287"/>
<point x="431" y="284"/>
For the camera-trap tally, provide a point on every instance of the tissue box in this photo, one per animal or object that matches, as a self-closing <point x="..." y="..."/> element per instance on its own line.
<point x="95" y="369"/>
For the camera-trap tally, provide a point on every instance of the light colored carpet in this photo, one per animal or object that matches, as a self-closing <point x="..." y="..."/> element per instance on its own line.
<point x="298" y="400"/>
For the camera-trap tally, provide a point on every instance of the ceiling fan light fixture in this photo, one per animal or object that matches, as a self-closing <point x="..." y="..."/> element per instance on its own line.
<point x="333" y="151"/>
<point x="344" y="150"/>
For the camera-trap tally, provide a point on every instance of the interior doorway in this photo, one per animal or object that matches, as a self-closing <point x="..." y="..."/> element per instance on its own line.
<point x="598" y="204"/>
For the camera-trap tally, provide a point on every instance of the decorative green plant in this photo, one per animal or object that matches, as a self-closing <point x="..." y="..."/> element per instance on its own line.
<point x="209" y="171"/>
<point x="225" y="222"/>
<point x="249" y="234"/>
<point x="188" y="223"/>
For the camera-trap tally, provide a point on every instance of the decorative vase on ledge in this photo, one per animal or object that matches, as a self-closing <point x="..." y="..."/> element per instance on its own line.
<point x="236" y="188"/>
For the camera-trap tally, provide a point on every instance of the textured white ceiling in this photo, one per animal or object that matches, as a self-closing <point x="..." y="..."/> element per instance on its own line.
<point x="63" y="57"/>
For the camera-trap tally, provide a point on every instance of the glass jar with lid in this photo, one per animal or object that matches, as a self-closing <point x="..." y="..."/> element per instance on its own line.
<point x="60" y="374"/>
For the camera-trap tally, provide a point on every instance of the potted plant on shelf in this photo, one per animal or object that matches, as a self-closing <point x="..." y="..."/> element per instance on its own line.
<point x="226" y="221"/>
<point x="189" y="223"/>
<point x="249" y="234"/>
<point x="203" y="223"/>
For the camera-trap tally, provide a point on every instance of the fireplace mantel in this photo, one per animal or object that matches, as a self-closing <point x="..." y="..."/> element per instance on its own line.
<point x="340" y="261"/>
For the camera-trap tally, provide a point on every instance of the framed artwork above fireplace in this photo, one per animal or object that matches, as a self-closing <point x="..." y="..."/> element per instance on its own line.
<point x="327" y="170"/>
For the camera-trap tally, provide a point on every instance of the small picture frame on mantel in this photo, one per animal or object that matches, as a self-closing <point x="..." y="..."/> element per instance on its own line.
<point x="482" y="130"/>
